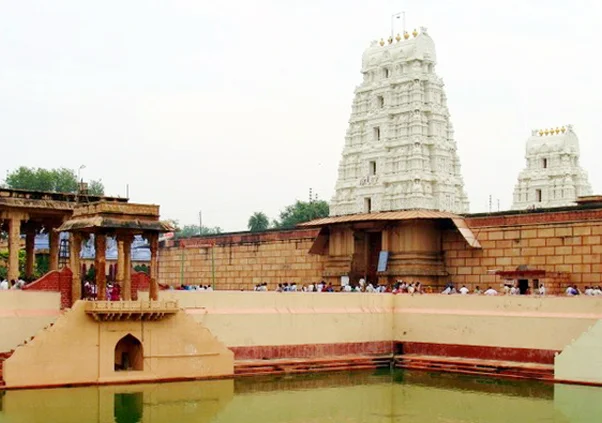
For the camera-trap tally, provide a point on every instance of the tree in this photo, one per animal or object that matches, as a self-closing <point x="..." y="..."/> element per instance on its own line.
<point x="258" y="222"/>
<point x="188" y="231"/>
<point x="53" y="180"/>
<point x="300" y="212"/>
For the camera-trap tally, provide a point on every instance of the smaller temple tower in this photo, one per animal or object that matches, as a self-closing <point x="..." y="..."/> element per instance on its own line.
<point x="553" y="177"/>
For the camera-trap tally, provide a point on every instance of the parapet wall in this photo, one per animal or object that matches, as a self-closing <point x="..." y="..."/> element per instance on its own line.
<point x="240" y="261"/>
<point x="270" y="324"/>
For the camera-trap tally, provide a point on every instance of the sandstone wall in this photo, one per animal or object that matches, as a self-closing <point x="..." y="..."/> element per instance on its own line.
<point x="556" y="242"/>
<point x="242" y="260"/>
<point x="23" y="314"/>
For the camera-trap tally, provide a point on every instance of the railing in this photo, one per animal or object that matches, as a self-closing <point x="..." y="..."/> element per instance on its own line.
<point x="165" y="306"/>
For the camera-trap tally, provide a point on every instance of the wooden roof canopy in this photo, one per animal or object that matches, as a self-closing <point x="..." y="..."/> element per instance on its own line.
<point x="115" y="217"/>
<point x="458" y="221"/>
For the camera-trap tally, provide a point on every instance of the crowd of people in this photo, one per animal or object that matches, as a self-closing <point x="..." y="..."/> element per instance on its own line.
<point x="591" y="291"/>
<point x="12" y="284"/>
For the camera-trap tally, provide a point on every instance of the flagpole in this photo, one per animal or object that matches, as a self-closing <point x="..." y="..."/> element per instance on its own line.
<point x="397" y="15"/>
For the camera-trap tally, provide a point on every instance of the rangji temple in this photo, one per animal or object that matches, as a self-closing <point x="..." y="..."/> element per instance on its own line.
<point x="399" y="212"/>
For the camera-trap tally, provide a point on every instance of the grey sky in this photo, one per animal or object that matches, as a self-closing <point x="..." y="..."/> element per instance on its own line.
<point x="235" y="107"/>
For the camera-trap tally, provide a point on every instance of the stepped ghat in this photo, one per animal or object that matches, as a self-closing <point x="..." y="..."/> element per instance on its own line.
<point x="190" y="335"/>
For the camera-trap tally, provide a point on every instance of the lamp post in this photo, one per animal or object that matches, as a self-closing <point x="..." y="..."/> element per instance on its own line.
<point x="79" y="171"/>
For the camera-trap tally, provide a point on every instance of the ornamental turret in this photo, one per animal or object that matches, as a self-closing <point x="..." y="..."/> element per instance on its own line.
<point x="553" y="176"/>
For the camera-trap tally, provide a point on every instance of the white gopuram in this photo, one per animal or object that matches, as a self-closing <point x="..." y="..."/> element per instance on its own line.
<point x="553" y="177"/>
<point x="399" y="149"/>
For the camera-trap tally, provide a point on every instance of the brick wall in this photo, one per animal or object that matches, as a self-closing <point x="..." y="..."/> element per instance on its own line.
<point x="243" y="260"/>
<point x="140" y="282"/>
<point x="56" y="281"/>
<point x="567" y="241"/>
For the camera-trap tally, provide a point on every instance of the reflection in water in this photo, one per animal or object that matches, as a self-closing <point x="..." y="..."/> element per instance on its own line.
<point x="366" y="397"/>
<point x="128" y="407"/>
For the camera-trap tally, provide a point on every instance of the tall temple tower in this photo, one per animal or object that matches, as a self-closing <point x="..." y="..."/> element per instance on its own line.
<point x="399" y="149"/>
<point x="553" y="177"/>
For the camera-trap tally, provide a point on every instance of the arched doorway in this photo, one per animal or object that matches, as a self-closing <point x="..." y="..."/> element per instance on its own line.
<point x="128" y="354"/>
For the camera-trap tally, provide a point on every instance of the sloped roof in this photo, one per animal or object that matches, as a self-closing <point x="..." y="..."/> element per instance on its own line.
<point x="388" y="215"/>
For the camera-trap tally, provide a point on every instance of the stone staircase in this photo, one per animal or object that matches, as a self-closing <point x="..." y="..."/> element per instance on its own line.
<point x="3" y="357"/>
<point x="476" y="367"/>
<point x="580" y="361"/>
<point x="7" y="354"/>
<point x="312" y="365"/>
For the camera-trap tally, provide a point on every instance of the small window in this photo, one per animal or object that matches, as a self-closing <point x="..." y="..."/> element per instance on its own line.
<point x="538" y="195"/>
<point x="545" y="163"/>
<point x="380" y="101"/>
<point x="367" y="205"/>
<point x="377" y="133"/>
<point x="386" y="72"/>
<point x="372" y="167"/>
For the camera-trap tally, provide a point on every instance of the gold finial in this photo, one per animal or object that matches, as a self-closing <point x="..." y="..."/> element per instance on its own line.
<point x="406" y="35"/>
<point x="382" y="42"/>
<point x="557" y="130"/>
<point x="540" y="132"/>
<point x="398" y="38"/>
<point x="546" y="131"/>
<point x="390" y="40"/>
<point x="415" y="33"/>
<point x="563" y="129"/>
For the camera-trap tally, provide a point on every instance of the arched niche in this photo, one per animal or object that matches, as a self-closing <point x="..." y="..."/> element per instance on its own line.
<point x="129" y="354"/>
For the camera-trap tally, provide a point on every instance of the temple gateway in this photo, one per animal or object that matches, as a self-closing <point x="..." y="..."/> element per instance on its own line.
<point x="399" y="149"/>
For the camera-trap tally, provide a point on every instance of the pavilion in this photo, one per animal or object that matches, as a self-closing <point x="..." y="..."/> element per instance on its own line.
<point x="29" y="212"/>
<point x="122" y="221"/>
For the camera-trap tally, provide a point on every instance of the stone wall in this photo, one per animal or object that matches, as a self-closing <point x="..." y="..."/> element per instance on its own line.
<point x="242" y="260"/>
<point x="55" y="281"/>
<point x="564" y="241"/>
<point x="23" y="314"/>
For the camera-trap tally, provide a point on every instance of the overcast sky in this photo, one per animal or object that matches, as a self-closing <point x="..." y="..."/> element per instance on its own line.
<point x="242" y="106"/>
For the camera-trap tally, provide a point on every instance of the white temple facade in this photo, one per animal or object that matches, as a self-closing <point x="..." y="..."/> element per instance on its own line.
<point x="553" y="177"/>
<point x="399" y="148"/>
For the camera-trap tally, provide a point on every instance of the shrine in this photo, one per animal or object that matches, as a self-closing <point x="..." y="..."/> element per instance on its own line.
<point x="553" y="176"/>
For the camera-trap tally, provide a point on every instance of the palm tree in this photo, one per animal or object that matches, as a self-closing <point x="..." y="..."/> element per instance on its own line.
<point x="258" y="222"/>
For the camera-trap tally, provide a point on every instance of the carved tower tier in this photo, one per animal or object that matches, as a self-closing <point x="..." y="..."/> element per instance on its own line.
<point x="399" y="149"/>
<point x="553" y="177"/>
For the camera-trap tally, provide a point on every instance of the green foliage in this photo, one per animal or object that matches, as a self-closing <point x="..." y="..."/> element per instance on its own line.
<point x="258" y="222"/>
<point x="42" y="265"/>
<point x="91" y="274"/>
<point x="4" y="262"/>
<point x="96" y="188"/>
<point x="54" y="180"/>
<point x="188" y="231"/>
<point x="300" y="212"/>
<point x="142" y="268"/>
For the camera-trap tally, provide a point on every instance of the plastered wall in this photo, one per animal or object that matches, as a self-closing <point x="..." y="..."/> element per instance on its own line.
<point x="80" y="350"/>
<point x="547" y="323"/>
<point x="272" y="318"/>
<point x="23" y="314"/>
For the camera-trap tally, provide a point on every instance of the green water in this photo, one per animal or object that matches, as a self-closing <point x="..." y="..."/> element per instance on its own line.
<point x="371" y="397"/>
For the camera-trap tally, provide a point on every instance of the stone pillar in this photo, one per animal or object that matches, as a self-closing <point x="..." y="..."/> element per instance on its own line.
<point x="120" y="258"/>
<point x="154" y="266"/>
<point x="30" y="237"/>
<point x="100" y="247"/>
<point x="54" y="239"/>
<point x="75" y="247"/>
<point x="14" y="237"/>
<point x="126" y="288"/>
